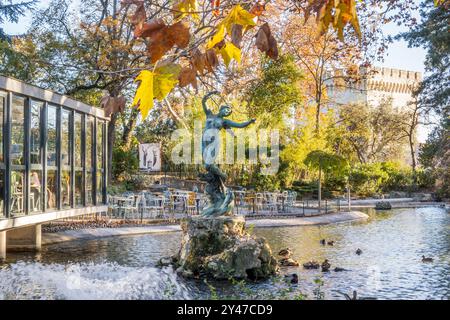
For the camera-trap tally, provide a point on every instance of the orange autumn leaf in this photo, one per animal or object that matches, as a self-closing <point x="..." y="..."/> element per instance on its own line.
<point x="180" y="34"/>
<point x="112" y="105"/>
<point x="211" y="59"/>
<point x="257" y="9"/>
<point x="147" y="29"/>
<point x="266" y="42"/>
<point x="188" y="76"/>
<point x="162" y="38"/>
<point x="236" y="35"/>
<point x="215" y="4"/>
<point x="198" y="60"/>
<point x="139" y="16"/>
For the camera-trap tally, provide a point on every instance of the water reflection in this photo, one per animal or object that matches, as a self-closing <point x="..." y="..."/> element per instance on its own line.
<point x="389" y="268"/>
<point x="392" y="245"/>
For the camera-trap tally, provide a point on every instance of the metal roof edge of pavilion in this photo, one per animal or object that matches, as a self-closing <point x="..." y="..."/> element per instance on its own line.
<point x="24" y="221"/>
<point x="20" y="87"/>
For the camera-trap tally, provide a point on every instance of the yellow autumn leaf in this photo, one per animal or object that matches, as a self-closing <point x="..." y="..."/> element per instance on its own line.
<point x="237" y="15"/>
<point x="143" y="99"/>
<point x="165" y="79"/>
<point x="163" y="84"/>
<point x="157" y="84"/>
<point x="168" y="68"/>
<point x="229" y="52"/>
<point x="218" y="36"/>
<point x="183" y="8"/>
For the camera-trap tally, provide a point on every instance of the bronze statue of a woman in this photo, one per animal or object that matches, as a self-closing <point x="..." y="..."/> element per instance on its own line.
<point x="220" y="197"/>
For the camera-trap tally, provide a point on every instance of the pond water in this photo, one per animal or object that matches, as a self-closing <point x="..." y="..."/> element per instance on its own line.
<point x="390" y="266"/>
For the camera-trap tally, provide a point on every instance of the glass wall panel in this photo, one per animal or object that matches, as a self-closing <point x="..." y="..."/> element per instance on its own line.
<point x="2" y="193"/>
<point x="36" y="195"/>
<point x="36" y="198"/>
<point x="17" y="130"/>
<point x="17" y="156"/>
<point x="100" y="162"/>
<point x="66" y="159"/>
<point x="78" y="160"/>
<point x="2" y="160"/>
<point x="89" y="160"/>
<point x="35" y="129"/>
<point x="17" y="192"/>
<point x="52" y="180"/>
<point x="2" y="115"/>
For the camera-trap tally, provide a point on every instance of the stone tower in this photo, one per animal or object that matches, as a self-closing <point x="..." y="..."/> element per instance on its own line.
<point x="377" y="84"/>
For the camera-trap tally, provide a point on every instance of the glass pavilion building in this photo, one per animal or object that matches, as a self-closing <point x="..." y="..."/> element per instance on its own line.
<point x="52" y="152"/>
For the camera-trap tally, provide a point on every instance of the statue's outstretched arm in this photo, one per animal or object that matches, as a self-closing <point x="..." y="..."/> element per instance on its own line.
<point x="231" y="124"/>
<point x="205" y="99"/>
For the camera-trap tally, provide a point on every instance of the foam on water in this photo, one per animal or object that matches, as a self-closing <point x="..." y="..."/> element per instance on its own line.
<point x="34" y="280"/>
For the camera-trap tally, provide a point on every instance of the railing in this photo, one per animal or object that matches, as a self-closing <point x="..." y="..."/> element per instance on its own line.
<point x="179" y="204"/>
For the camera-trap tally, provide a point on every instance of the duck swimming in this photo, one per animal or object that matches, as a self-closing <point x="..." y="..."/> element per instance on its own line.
<point x="294" y="279"/>
<point x="358" y="252"/>
<point x="425" y="259"/>
<point x="323" y="242"/>
<point x="285" y="252"/>
<point x="288" y="262"/>
<point x="330" y="243"/>
<point x="326" y="266"/>
<point x="337" y="269"/>
<point x="311" y="265"/>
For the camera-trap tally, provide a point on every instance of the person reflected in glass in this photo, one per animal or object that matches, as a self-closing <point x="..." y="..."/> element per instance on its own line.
<point x="35" y="186"/>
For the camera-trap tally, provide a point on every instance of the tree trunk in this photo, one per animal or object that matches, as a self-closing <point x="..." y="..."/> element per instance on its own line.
<point x="317" y="118"/>
<point x="349" y="197"/>
<point x="128" y="130"/>
<point x="413" y="158"/>
<point x="111" y="142"/>
<point x="320" y="190"/>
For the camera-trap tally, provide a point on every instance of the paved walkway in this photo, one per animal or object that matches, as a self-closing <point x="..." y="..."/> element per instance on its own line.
<point x="309" y="221"/>
<point x="89" y="234"/>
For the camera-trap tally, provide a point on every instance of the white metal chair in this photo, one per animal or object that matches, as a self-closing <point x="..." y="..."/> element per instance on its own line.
<point x="271" y="202"/>
<point x="131" y="207"/>
<point x="113" y="205"/>
<point x="153" y="206"/>
<point x="259" y="202"/>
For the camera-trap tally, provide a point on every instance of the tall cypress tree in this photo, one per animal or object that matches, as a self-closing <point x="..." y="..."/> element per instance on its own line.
<point x="433" y="34"/>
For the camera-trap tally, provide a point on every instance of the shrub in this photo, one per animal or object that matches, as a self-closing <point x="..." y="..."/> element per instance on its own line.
<point x="136" y="183"/>
<point x="117" y="189"/>
<point x="367" y="179"/>
<point x="125" y="163"/>
<point x="265" y="182"/>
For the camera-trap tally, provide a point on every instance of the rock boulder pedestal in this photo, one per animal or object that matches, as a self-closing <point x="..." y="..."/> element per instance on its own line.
<point x="383" y="205"/>
<point x="221" y="248"/>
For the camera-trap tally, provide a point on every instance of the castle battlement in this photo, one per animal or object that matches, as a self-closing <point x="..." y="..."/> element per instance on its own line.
<point x="397" y="74"/>
<point x="393" y="80"/>
<point x="377" y="84"/>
